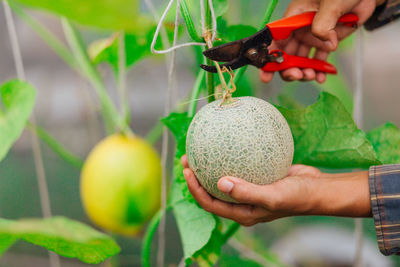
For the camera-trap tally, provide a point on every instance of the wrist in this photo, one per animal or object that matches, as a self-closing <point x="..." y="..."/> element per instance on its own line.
<point x="344" y="194"/>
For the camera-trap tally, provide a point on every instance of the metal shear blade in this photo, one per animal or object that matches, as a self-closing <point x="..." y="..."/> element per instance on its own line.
<point x="236" y="53"/>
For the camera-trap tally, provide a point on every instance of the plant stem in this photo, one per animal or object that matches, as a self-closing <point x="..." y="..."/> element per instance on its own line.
<point x="111" y="117"/>
<point x="149" y="235"/>
<point x="270" y="10"/>
<point x="122" y="83"/>
<point x="210" y="83"/>
<point x="230" y="231"/>
<point x="54" y="43"/>
<point x="37" y="152"/>
<point x="58" y="148"/>
<point x="155" y="133"/>
<point x="189" y="22"/>
<point x="209" y="75"/>
<point x="195" y="93"/>
<point x="249" y="253"/>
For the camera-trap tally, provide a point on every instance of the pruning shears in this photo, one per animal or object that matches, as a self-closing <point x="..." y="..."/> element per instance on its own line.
<point x="254" y="50"/>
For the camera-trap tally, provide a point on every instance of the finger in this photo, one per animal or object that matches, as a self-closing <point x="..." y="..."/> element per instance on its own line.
<point x="185" y="162"/>
<point x="291" y="46"/>
<point x="244" y="214"/>
<point x="309" y="74"/>
<point x="304" y="36"/>
<point x="242" y="191"/>
<point x="265" y="76"/>
<point x="325" y="21"/>
<point x="321" y="55"/>
<point x="300" y="6"/>
<point x="320" y="77"/>
<point x="304" y="51"/>
<point x="292" y="74"/>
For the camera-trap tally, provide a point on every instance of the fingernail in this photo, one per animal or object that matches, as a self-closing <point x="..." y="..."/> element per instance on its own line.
<point x="225" y="186"/>
<point x="186" y="172"/>
<point x="330" y="45"/>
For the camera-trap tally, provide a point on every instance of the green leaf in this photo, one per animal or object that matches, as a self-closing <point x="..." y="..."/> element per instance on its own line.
<point x="52" y="41"/>
<point x="112" y="118"/>
<point x="236" y="32"/>
<point x="209" y="254"/>
<point x="57" y="147"/>
<point x="187" y="16"/>
<point x="137" y="47"/>
<point x="233" y="32"/>
<point x="18" y="99"/>
<point x="204" y="244"/>
<point x="116" y="14"/>
<point x="245" y="87"/>
<point x="338" y="86"/>
<point x="63" y="236"/>
<point x="220" y="7"/>
<point x="289" y="102"/>
<point x="5" y="241"/>
<point x="198" y="244"/>
<point x="195" y="226"/>
<point x="386" y="142"/>
<point x="236" y="261"/>
<point x="325" y="135"/>
<point x="178" y="124"/>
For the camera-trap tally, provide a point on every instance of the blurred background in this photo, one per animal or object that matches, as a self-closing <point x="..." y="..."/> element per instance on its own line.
<point x="65" y="108"/>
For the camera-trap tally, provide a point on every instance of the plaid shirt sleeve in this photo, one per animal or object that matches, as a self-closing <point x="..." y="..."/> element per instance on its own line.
<point x="384" y="186"/>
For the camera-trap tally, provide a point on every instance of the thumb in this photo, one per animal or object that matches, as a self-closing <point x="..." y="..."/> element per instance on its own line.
<point x="242" y="191"/>
<point x="323" y="26"/>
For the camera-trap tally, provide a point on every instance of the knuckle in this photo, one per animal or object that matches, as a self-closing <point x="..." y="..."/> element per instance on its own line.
<point x="276" y="203"/>
<point x="248" y="223"/>
<point x="319" y="30"/>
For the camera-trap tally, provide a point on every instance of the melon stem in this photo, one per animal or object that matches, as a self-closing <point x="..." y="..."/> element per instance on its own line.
<point x="208" y="39"/>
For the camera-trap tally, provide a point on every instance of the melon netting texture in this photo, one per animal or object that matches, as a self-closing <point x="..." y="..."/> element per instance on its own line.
<point x="249" y="139"/>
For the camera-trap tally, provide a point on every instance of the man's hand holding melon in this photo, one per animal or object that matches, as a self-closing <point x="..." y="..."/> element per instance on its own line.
<point x="305" y="191"/>
<point x="249" y="138"/>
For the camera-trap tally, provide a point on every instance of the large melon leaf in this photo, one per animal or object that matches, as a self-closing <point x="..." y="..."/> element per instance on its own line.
<point x="65" y="237"/>
<point x="17" y="99"/>
<point x="190" y="216"/>
<point x="386" y="142"/>
<point x="338" y="86"/>
<point x="325" y="135"/>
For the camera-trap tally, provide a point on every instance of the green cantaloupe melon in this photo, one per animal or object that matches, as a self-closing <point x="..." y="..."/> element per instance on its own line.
<point x="247" y="138"/>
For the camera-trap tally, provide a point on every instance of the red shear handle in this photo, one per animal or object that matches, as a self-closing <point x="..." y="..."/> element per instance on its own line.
<point x="281" y="29"/>
<point x="290" y="61"/>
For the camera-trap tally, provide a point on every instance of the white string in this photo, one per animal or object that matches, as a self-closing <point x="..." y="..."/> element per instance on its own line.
<point x="214" y="20"/>
<point x="171" y="74"/>
<point x="203" y="19"/>
<point x="37" y="153"/>
<point x="164" y="152"/>
<point x="358" y="117"/>
<point x="14" y="42"/>
<point x="164" y="35"/>
<point x="203" y="15"/>
<point x="174" y="47"/>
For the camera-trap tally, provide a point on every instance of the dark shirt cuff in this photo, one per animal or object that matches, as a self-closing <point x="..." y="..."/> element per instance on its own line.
<point x="383" y="15"/>
<point x="384" y="187"/>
